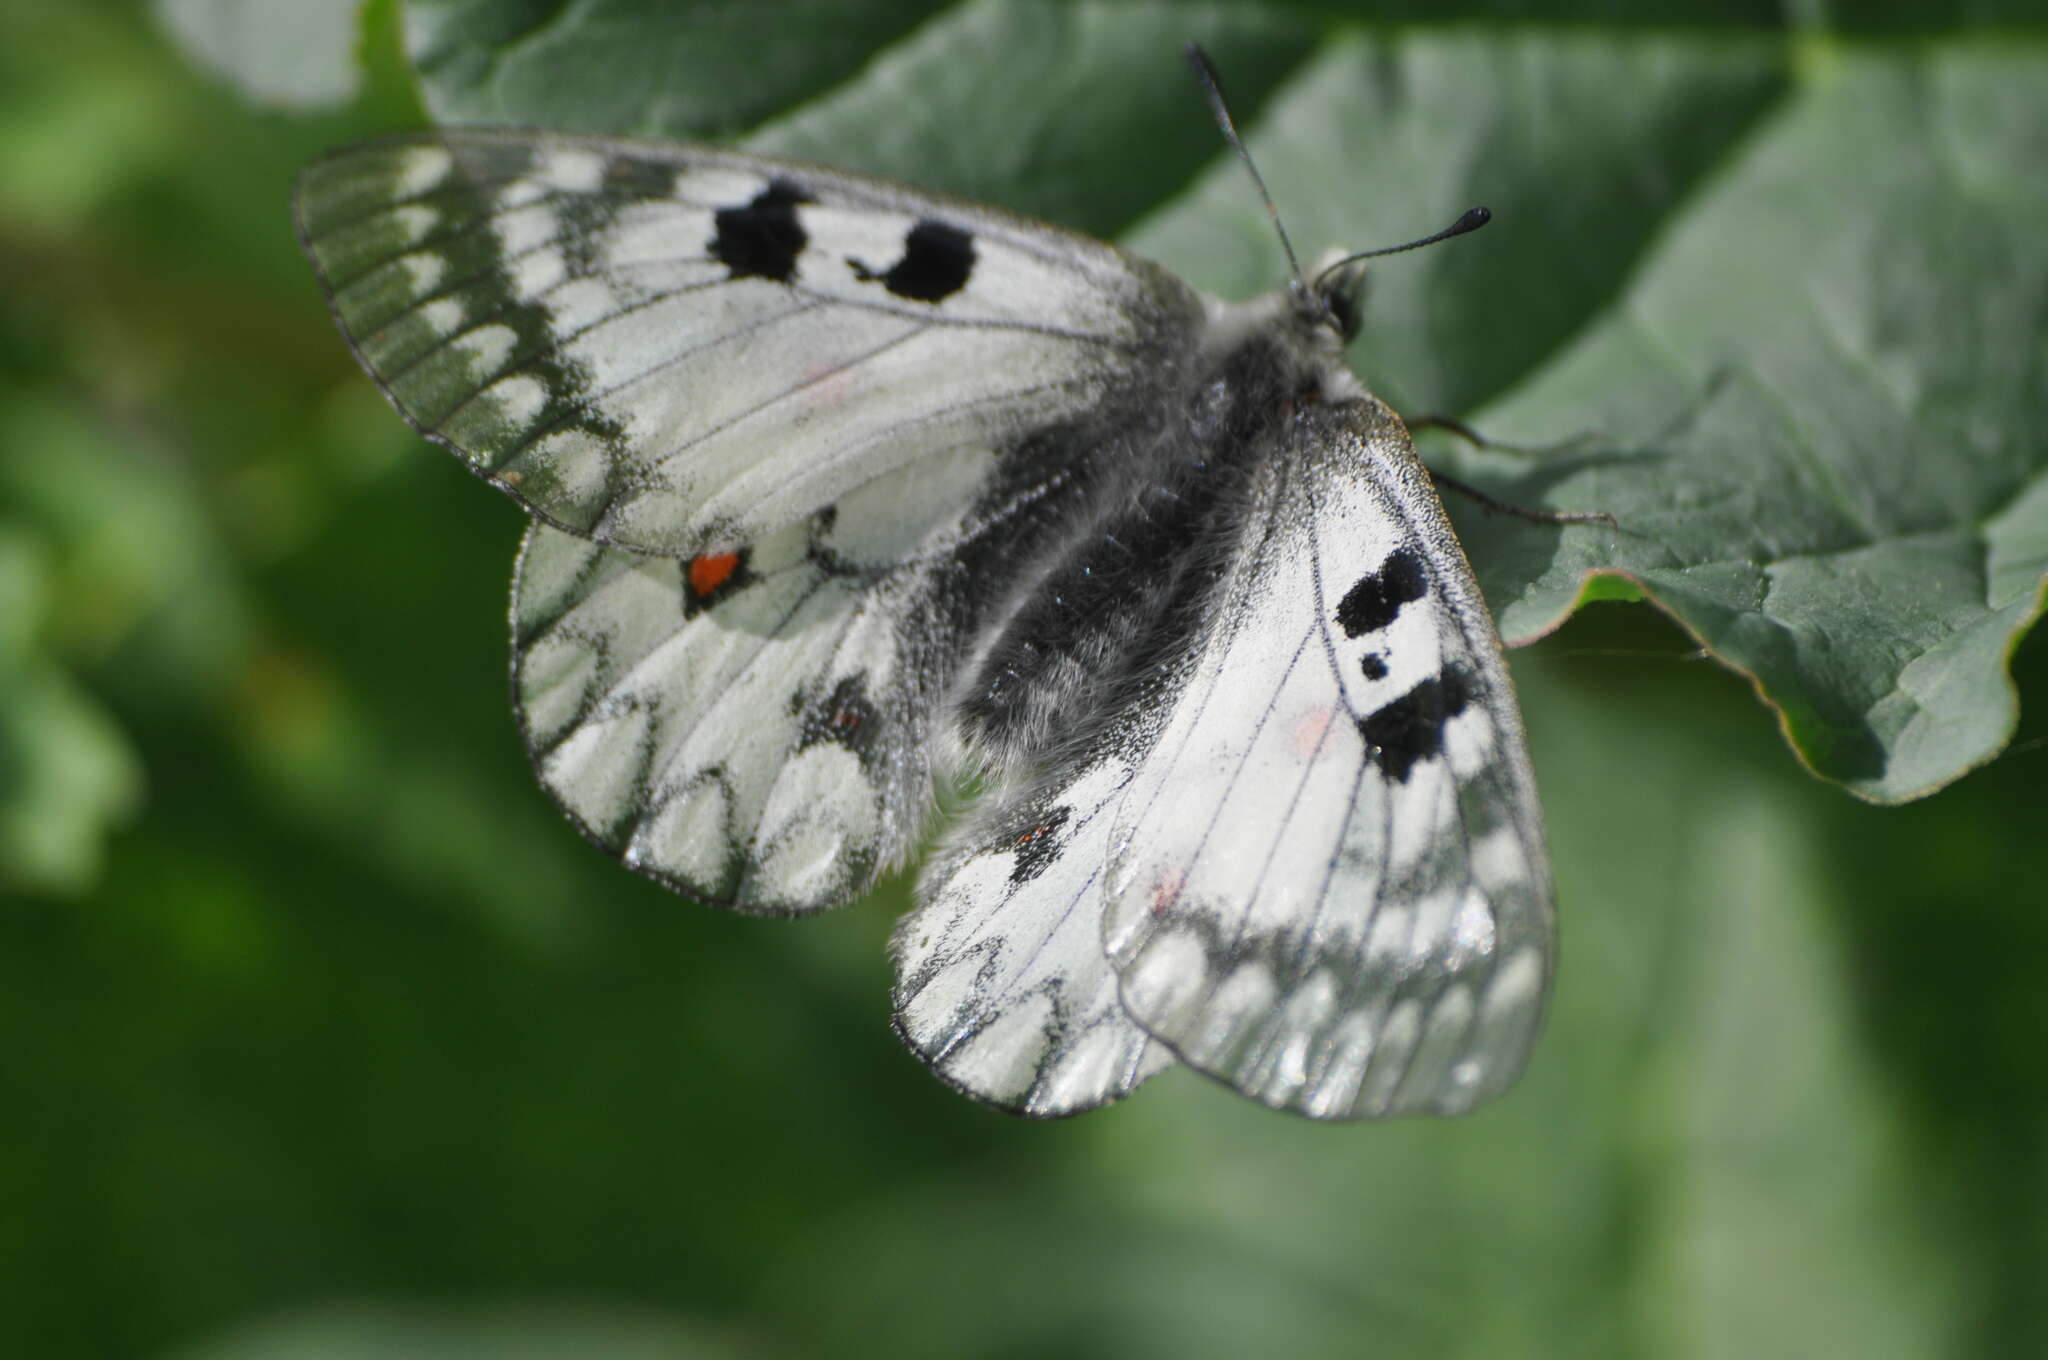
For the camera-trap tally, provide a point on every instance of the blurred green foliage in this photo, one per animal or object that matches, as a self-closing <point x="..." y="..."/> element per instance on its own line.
<point x="321" y="1034"/>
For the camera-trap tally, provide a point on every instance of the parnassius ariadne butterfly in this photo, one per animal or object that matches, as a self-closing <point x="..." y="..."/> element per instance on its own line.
<point x="843" y="490"/>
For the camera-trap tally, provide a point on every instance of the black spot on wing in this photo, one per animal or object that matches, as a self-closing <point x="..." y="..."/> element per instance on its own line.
<point x="1373" y="665"/>
<point x="762" y="239"/>
<point x="1038" y="845"/>
<point x="937" y="260"/>
<point x="1376" y="599"/>
<point x="1411" y="728"/>
<point x="845" y="717"/>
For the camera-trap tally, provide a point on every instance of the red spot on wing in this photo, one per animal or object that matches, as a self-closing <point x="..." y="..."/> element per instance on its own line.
<point x="1166" y="890"/>
<point x="1309" y="731"/>
<point x="709" y="572"/>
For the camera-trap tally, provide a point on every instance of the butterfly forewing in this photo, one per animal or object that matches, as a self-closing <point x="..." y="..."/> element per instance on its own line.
<point x="673" y="349"/>
<point x="1328" y="885"/>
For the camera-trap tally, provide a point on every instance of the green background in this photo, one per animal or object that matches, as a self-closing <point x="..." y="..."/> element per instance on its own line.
<point x="322" y="1035"/>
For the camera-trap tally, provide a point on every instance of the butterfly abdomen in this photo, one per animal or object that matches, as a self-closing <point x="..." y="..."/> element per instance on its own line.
<point x="1092" y="617"/>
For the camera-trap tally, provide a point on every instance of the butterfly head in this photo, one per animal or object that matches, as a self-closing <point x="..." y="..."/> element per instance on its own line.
<point x="1331" y="297"/>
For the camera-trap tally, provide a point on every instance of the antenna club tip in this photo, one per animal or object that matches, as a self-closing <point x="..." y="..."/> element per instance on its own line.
<point x="1475" y="218"/>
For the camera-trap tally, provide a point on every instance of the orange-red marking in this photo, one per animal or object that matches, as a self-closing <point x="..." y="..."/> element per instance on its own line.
<point x="1166" y="891"/>
<point x="709" y="572"/>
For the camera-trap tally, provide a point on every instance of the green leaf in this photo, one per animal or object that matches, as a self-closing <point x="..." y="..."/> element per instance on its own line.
<point x="1827" y="388"/>
<point x="1768" y="1098"/>
<point x="289" y="54"/>
<point x="1049" y="127"/>
<point x="642" y="66"/>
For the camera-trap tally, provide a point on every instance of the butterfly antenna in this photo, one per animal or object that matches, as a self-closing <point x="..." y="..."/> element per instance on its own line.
<point x="1472" y="220"/>
<point x="1212" y="87"/>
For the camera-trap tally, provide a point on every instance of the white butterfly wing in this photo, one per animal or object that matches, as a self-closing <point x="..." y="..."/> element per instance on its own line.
<point x="1002" y="987"/>
<point x="753" y="728"/>
<point x="679" y="350"/>
<point x="1328" y="883"/>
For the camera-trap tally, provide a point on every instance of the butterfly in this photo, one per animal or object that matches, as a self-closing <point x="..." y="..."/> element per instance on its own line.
<point x="844" y="492"/>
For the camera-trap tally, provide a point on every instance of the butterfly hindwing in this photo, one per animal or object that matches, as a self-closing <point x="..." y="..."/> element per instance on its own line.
<point x="751" y="726"/>
<point x="678" y="350"/>
<point x="1002" y="984"/>
<point x="1328" y="884"/>
<point x="755" y="726"/>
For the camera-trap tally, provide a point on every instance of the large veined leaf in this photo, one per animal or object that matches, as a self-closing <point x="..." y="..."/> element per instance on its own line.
<point x="1779" y="310"/>
<point x="1852" y="504"/>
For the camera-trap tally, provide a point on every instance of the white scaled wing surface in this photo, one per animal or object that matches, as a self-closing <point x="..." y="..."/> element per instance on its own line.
<point x="674" y="349"/>
<point x="1328" y="884"/>
<point x="749" y="728"/>
<point x="1002" y="985"/>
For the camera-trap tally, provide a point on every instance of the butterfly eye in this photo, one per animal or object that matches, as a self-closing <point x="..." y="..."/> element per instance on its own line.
<point x="1342" y="303"/>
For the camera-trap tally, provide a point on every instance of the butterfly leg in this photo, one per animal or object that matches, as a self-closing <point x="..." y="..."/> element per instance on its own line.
<point x="1528" y="512"/>
<point x="1716" y="381"/>
<point x="1453" y="426"/>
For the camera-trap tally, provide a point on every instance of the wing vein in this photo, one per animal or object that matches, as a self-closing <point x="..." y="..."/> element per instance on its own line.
<point x="476" y="224"/>
<point x="833" y="653"/>
<point x="546" y="343"/>
<point x="386" y="206"/>
<point x="586" y="402"/>
<point x="668" y="456"/>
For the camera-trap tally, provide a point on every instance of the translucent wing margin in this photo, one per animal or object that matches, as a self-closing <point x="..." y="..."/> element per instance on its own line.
<point x="1328" y="884"/>
<point x="675" y="349"/>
